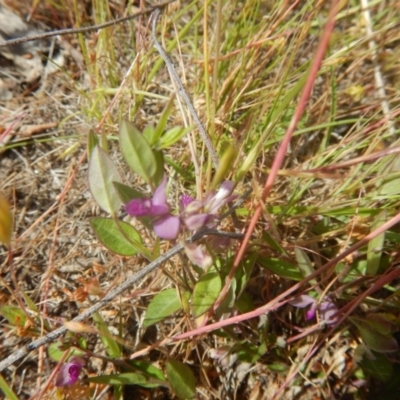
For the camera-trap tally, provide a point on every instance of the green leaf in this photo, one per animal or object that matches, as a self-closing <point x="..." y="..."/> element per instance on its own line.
<point x="373" y="339"/>
<point x="181" y="379"/>
<point x="162" y="122"/>
<point x="30" y="303"/>
<point x="56" y="351"/>
<point x="127" y="193"/>
<point x="278" y="367"/>
<point x="148" y="369"/>
<point x="229" y="302"/>
<point x="6" y="221"/>
<point x="172" y="136"/>
<point x="93" y="141"/>
<point x="148" y="133"/>
<point x="244" y="272"/>
<point x="205" y="293"/>
<point x="275" y="245"/>
<point x="225" y="166"/>
<point x="244" y="303"/>
<point x="380" y="368"/>
<point x="280" y="267"/>
<point x="381" y="323"/>
<point x="102" y="174"/>
<point x="137" y="152"/>
<point x="109" y="233"/>
<point x="125" y="378"/>
<point x="159" y="174"/>
<point x="162" y="306"/>
<point x="304" y="263"/>
<point x="375" y="246"/>
<point x="111" y="345"/>
<point x="251" y="353"/>
<point x="6" y="390"/>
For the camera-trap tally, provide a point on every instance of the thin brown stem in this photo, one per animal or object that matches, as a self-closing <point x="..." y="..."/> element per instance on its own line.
<point x="91" y="28"/>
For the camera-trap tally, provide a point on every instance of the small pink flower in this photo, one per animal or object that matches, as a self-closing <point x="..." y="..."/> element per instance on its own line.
<point x="196" y="214"/>
<point x="186" y="200"/>
<point x="214" y="201"/>
<point x="69" y="372"/>
<point x="165" y="225"/>
<point x="327" y="309"/>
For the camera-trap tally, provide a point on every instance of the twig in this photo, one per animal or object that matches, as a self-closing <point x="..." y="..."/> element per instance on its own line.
<point x="182" y="92"/>
<point x="50" y="337"/>
<point x="85" y="29"/>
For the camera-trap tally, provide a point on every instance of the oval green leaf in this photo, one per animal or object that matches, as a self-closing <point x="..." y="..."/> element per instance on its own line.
<point x="172" y="136"/>
<point x="304" y="263"/>
<point x="373" y="339"/>
<point x="205" y="293"/>
<point x="56" y="351"/>
<point x="381" y="368"/>
<point x="162" y="306"/>
<point x="375" y="246"/>
<point x="137" y="152"/>
<point x="102" y="174"/>
<point x="110" y="344"/>
<point x="93" y="141"/>
<point x="148" y="369"/>
<point x="159" y="174"/>
<point x="181" y="379"/>
<point x="109" y="233"/>
<point x="127" y="193"/>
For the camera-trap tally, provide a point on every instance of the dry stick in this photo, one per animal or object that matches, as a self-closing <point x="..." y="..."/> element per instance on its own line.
<point x="280" y="156"/>
<point x="105" y="300"/>
<point x="91" y="28"/>
<point x="182" y="92"/>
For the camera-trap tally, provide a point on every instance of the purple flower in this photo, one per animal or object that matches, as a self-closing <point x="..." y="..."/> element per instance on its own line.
<point x="186" y="200"/>
<point x="214" y="201"/>
<point x="165" y="225"/>
<point x="327" y="309"/>
<point x="69" y="372"/>
<point x="196" y="213"/>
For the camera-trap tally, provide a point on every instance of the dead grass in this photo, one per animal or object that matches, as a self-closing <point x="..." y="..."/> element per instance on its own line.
<point x="265" y="51"/>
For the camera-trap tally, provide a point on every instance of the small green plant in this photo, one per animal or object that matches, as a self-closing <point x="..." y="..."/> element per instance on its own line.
<point x="295" y="290"/>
